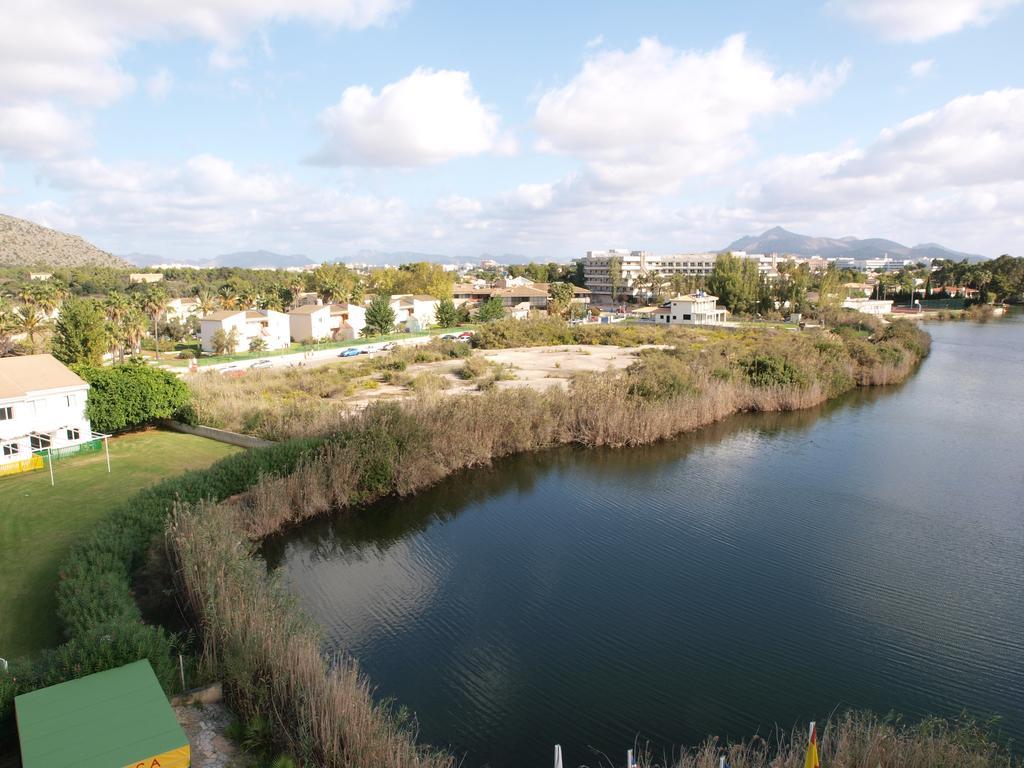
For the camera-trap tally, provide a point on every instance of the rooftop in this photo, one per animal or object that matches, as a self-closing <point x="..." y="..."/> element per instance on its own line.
<point x="20" y="376"/>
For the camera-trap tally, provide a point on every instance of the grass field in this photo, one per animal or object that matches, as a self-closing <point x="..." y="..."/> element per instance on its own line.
<point x="38" y="523"/>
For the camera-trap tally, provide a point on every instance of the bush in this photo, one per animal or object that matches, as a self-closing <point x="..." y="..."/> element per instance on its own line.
<point x="131" y="394"/>
<point x="772" y="371"/>
<point x="186" y="354"/>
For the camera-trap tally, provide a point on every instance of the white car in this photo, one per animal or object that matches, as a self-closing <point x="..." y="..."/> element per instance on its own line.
<point x="264" y="363"/>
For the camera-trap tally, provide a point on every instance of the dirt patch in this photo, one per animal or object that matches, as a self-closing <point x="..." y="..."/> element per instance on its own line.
<point x="205" y="726"/>
<point x="543" y="367"/>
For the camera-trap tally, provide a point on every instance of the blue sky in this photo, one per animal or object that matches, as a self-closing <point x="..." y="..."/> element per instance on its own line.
<point x="328" y="126"/>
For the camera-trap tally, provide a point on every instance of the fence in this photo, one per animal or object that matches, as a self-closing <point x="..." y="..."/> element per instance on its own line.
<point x="56" y="454"/>
<point x="30" y="464"/>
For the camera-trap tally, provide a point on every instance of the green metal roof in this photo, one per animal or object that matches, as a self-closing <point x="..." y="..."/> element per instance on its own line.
<point x="106" y="720"/>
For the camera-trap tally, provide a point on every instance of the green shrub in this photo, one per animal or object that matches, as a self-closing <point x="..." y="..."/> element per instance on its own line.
<point x="766" y="370"/>
<point x="131" y="394"/>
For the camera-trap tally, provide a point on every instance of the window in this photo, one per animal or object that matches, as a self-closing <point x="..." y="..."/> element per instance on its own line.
<point x="69" y="400"/>
<point x="686" y="317"/>
<point x="74" y="434"/>
<point x="6" y="413"/>
<point x="10" y="449"/>
<point x="39" y="442"/>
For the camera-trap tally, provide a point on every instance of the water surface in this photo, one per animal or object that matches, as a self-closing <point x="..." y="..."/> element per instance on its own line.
<point x="768" y="569"/>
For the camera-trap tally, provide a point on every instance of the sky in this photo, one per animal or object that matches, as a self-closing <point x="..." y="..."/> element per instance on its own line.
<point x="540" y="129"/>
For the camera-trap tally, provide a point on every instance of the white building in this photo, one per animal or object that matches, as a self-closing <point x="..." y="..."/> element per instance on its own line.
<point x="417" y="312"/>
<point x="869" y="306"/>
<point x="597" y="271"/>
<point x="321" y="322"/>
<point x="693" y="309"/>
<point x="42" y="405"/>
<point x="181" y="309"/>
<point x="266" y="324"/>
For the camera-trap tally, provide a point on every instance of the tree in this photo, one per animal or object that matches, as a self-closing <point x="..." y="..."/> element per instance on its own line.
<point x="380" y="317"/>
<point x="8" y="327"/>
<point x="207" y="303"/>
<point x="257" y="345"/>
<point x="490" y="310"/>
<point x="30" y="321"/>
<point x="219" y="341"/>
<point x="447" y="313"/>
<point x="131" y="394"/>
<point x="615" y="275"/>
<point x="80" y="335"/>
<point x="560" y="296"/>
<point x="154" y="303"/>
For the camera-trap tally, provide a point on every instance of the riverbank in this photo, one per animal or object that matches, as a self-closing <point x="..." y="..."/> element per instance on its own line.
<point x="270" y="655"/>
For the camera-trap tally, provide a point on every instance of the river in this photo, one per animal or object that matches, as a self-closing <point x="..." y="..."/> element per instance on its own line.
<point x="768" y="569"/>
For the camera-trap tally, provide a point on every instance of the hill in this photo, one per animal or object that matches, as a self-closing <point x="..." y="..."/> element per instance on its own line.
<point x="779" y="240"/>
<point x="24" y="244"/>
<point x="246" y="259"/>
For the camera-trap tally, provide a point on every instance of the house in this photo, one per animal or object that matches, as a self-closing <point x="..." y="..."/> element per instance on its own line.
<point x="181" y="309"/>
<point x="145" y="277"/>
<point x="248" y="324"/>
<point x="42" y="405"/>
<point x="869" y="306"/>
<point x="416" y="311"/>
<point x="306" y="298"/>
<point x="693" y="309"/>
<point x="320" y="322"/>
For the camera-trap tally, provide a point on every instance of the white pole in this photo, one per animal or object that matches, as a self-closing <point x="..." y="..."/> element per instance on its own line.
<point x="106" y="448"/>
<point x="629" y="758"/>
<point x="49" y="461"/>
<point x="181" y="667"/>
<point x="558" y="756"/>
<point x="721" y="762"/>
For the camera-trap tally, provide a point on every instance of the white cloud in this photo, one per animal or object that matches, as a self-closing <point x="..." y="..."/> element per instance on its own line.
<point x="426" y="118"/>
<point x="595" y="41"/>
<point x="653" y="116"/>
<point x="36" y="130"/>
<point x="921" y="68"/>
<point x="958" y="170"/>
<point x="56" y="50"/>
<point x="919" y="20"/>
<point x="160" y="84"/>
<point x="226" y="60"/>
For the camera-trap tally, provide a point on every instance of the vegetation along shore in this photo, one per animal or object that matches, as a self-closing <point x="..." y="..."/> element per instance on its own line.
<point x="247" y="629"/>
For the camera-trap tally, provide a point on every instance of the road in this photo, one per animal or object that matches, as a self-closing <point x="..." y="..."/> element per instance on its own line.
<point x="317" y="357"/>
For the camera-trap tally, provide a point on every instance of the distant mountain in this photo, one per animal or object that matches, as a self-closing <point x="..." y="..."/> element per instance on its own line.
<point x="779" y="240"/>
<point x="24" y="244"/>
<point x="249" y="259"/>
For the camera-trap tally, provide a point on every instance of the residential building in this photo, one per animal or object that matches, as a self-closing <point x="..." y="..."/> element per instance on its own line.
<point x="145" y="277"/>
<point x="697" y="308"/>
<point x="322" y="322"/>
<point x="266" y="324"/>
<point x="307" y="298"/>
<point x="417" y="312"/>
<point x="42" y="405"/>
<point x="181" y="309"/>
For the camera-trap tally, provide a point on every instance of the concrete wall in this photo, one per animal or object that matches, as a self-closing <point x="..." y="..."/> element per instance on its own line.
<point x="220" y="435"/>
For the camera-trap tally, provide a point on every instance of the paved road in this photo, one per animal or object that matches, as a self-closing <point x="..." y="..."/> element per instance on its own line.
<point x="317" y="357"/>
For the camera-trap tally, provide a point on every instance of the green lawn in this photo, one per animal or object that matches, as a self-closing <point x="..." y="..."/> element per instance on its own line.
<point x="38" y="523"/>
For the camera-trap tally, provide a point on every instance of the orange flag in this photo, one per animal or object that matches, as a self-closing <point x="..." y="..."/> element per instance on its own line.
<point x="811" y="761"/>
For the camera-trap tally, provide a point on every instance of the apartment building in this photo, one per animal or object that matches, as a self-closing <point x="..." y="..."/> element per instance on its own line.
<point x="321" y="322"/>
<point x="597" y="270"/>
<point x="42" y="405"/>
<point x="266" y="324"/>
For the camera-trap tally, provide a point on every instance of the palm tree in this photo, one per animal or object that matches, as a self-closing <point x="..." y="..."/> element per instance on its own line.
<point x="117" y="308"/>
<point x="30" y="321"/>
<point x="207" y="303"/>
<point x="154" y="303"/>
<point x="228" y="298"/>
<point x="8" y="327"/>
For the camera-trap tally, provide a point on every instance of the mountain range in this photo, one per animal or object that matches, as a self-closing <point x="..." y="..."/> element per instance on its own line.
<point x="779" y="240"/>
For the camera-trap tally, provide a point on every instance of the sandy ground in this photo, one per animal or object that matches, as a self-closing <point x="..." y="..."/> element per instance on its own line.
<point x="536" y="367"/>
<point x="205" y="728"/>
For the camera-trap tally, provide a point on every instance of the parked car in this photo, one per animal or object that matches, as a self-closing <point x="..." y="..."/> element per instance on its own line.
<point x="350" y="352"/>
<point x="387" y="347"/>
<point x="264" y="363"/>
<point x="232" y="370"/>
<point x="466" y="335"/>
<point x="449" y="337"/>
